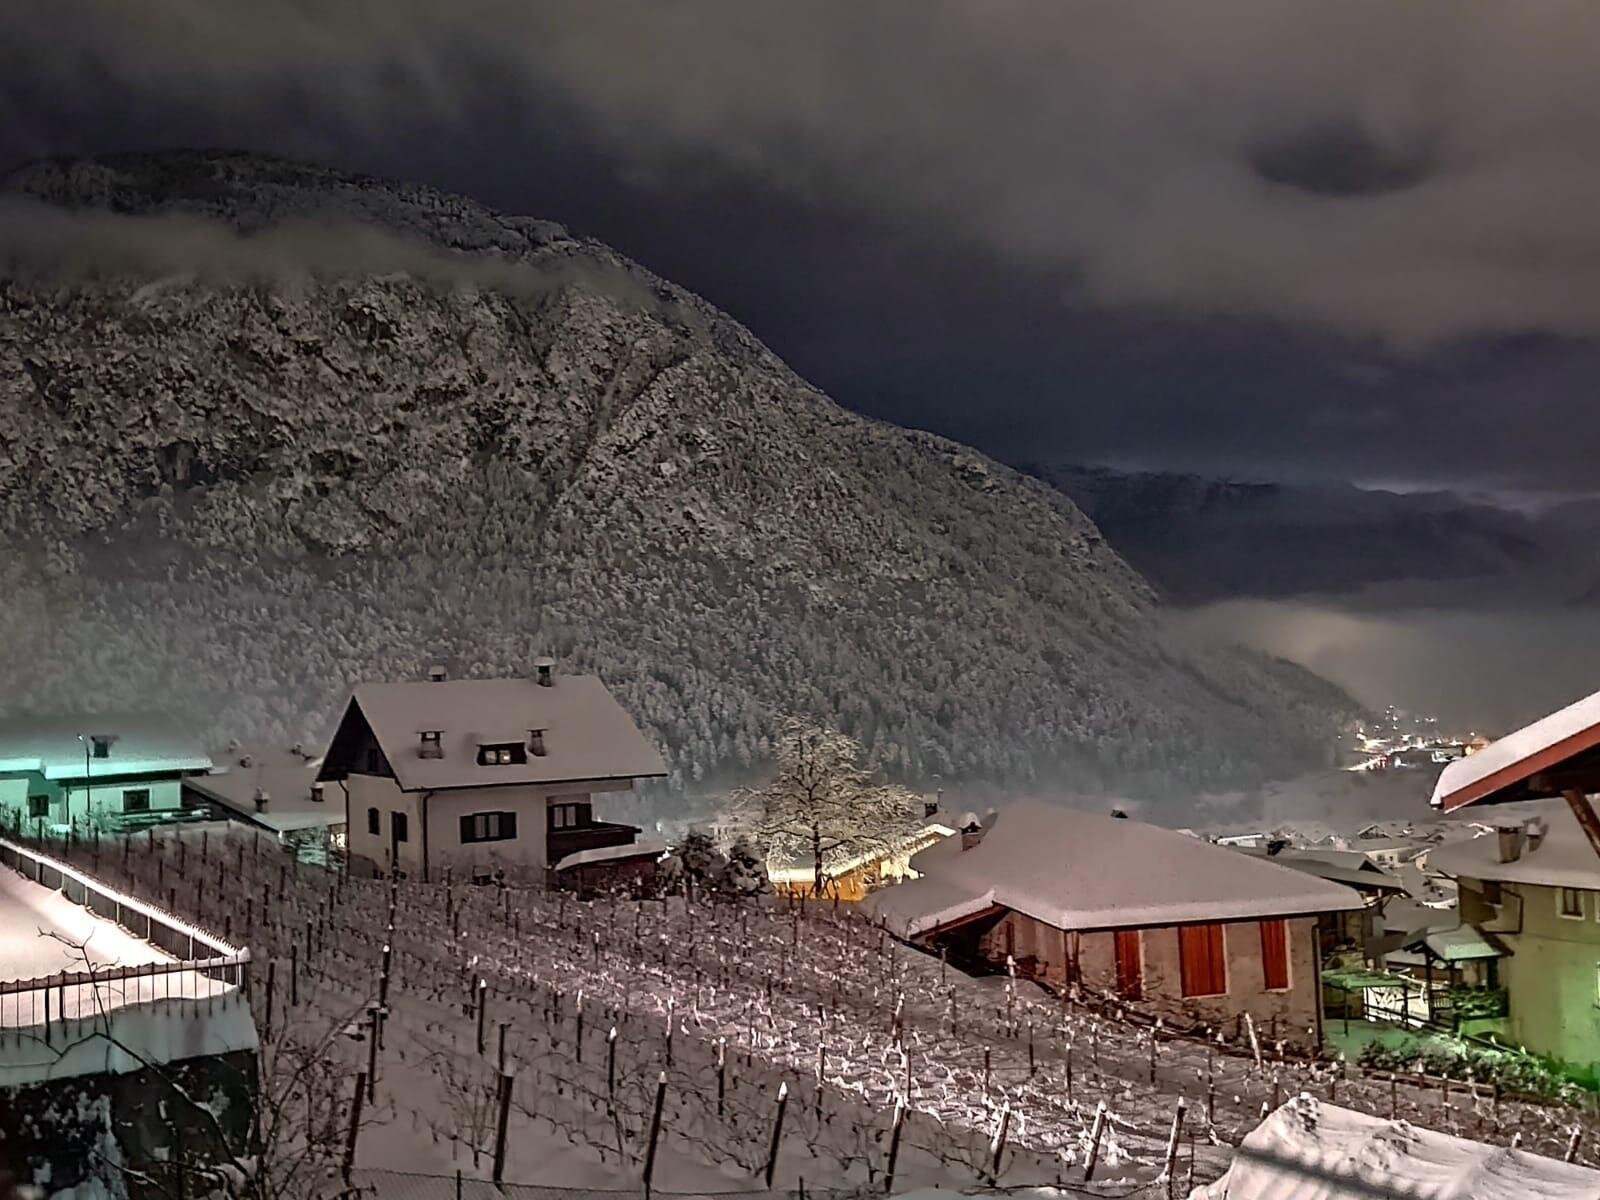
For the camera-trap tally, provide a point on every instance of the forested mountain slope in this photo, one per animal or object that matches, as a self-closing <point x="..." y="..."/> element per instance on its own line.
<point x="267" y="429"/>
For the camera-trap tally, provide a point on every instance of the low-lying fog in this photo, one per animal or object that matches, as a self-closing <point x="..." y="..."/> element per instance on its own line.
<point x="1487" y="667"/>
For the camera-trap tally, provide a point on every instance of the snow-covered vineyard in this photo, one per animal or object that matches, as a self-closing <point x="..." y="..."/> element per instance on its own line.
<point x="731" y="1014"/>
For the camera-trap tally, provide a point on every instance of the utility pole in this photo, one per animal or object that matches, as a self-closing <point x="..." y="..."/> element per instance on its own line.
<point x="88" y="790"/>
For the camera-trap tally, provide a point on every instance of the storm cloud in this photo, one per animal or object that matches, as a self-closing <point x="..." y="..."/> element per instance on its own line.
<point x="1256" y="237"/>
<point x="1412" y="172"/>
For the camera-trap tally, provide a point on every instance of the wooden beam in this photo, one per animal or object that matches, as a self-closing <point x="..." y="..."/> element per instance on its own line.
<point x="1588" y="821"/>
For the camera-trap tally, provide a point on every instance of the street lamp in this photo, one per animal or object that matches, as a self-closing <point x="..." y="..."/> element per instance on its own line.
<point x="88" y="791"/>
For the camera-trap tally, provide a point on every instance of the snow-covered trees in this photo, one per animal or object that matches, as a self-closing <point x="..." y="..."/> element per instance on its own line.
<point x="821" y="798"/>
<point x="745" y="873"/>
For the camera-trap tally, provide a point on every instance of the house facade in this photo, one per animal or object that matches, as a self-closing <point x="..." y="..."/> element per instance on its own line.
<point x="107" y="770"/>
<point x="476" y="776"/>
<point x="1539" y="897"/>
<point x="1166" y="923"/>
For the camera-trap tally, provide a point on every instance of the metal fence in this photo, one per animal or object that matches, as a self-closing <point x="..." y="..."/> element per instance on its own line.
<point x="197" y="954"/>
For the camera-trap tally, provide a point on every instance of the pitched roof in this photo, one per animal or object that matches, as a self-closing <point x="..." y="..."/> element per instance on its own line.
<point x="1078" y="870"/>
<point x="140" y="743"/>
<point x="1517" y="757"/>
<point x="588" y="735"/>
<point x="1564" y="857"/>
<point x="284" y="775"/>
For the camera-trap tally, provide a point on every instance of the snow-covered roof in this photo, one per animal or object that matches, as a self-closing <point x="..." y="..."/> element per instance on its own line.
<point x="138" y="744"/>
<point x="587" y="734"/>
<point x="1463" y="944"/>
<point x="1367" y="876"/>
<point x="1078" y="870"/>
<point x="1311" y="1150"/>
<point x="1519" y="756"/>
<point x="1564" y="857"/>
<point x="284" y="775"/>
<point x="644" y="849"/>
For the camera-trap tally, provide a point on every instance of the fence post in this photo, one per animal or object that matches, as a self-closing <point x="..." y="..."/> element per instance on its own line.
<point x="1572" y="1144"/>
<point x="655" y="1131"/>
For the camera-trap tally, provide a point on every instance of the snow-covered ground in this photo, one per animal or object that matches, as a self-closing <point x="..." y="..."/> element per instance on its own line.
<point x="818" y="1002"/>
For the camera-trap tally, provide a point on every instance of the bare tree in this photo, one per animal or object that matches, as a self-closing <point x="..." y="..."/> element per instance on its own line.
<point x="821" y="799"/>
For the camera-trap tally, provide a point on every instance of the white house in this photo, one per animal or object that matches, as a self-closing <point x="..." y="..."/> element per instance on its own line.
<point x="111" y="768"/>
<point x="480" y="774"/>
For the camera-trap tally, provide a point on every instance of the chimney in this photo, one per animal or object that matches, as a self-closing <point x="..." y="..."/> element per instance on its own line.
<point x="536" y="743"/>
<point x="971" y="831"/>
<point x="316" y="792"/>
<point x="544" y="671"/>
<point x="1510" y="842"/>
<point x="1536" y="830"/>
<point x="437" y="674"/>
<point x="261" y="800"/>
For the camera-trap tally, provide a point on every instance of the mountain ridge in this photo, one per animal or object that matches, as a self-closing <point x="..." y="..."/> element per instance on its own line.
<point x="308" y="427"/>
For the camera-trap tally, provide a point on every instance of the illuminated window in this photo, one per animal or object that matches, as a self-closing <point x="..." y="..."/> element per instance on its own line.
<point x="38" y="806"/>
<point x="1569" y="902"/>
<point x="136" y="800"/>
<point x="500" y="754"/>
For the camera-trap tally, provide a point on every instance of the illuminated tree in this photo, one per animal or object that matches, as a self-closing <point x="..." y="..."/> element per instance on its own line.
<point x="821" y="798"/>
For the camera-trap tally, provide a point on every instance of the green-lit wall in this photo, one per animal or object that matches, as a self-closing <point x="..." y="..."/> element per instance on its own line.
<point x="105" y="796"/>
<point x="1552" y="977"/>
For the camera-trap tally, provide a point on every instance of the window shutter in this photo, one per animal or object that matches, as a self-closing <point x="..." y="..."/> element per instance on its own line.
<point x="1201" y="963"/>
<point x="1275" y="954"/>
<point x="508" y="824"/>
<point x="466" y="829"/>
<point x="1130" y="971"/>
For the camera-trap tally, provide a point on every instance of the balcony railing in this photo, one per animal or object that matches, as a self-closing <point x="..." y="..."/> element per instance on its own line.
<point x="593" y="836"/>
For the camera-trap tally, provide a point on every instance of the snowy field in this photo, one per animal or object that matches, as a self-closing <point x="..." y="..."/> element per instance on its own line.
<point x="728" y="1004"/>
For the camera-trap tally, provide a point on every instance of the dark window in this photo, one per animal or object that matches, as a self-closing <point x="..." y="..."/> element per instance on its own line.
<point x="488" y="827"/>
<point x="372" y="822"/>
<point x="566" y="816"/>
<point x="136" y="800"/>
<point x="1201" y="960"/>
<point x="501" y="754"/>
<point x="1571" y="902"/>
<point x="1275" y="955"/>
<point x="100" y="746"/>
<point x="397" y="826"/>
<point x="1491" y="891"/>
<point x="38" y="806"/>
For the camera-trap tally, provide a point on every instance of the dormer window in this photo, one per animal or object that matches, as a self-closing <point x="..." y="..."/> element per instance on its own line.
<point x="100" y="745"/>
<point x="432" y="745"/>
<point x="536" y="743"/>
<point x="501" y="754"/>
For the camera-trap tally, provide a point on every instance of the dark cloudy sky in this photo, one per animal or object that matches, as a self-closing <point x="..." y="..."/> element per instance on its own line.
<point x="1258" y="237"/>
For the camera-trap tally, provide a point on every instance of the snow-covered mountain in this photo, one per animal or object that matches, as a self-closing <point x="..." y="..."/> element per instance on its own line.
<point x="267" y="429"/>
<point x="1204" y="539"/>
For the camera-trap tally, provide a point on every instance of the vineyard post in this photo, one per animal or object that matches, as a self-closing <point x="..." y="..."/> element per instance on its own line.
<point x="482" y="1005"/>
<point x="272" y="982"/>
<point x="997" y="1147"/>
<point x="722" y="1072"/>
<point x="611" y="1065"/>
<point x="1169" y="1168"/>
<point x="777" y="1132"/>
<point x="372" y="1052"/>
<point x="1572" y="1144"/>
<point x="655" y="1131"/>
<point x="894" y="1144"/>
<point x="500" y="1128"/>
<point x="1095" y="1134"/>
<point x="355" y="1125"/>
